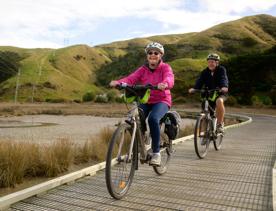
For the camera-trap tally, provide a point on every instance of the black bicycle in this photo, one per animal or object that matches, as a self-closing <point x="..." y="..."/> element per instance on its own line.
<point x="205" y="128"/>
<point x="131" y="143"/>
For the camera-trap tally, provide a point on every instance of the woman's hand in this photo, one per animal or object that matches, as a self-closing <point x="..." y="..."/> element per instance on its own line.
<point x="113" y="83"/>
<point x="162" y="86"/>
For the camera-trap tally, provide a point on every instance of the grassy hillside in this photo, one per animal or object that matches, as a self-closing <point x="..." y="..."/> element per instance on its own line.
<point x="66" y="74"/>
<point x="49" y="74"/>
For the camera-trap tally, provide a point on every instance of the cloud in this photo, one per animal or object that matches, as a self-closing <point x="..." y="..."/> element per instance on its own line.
<point x="238" y="6"/>
<point x="45" y="23"/>
<point x="54" y="20"/>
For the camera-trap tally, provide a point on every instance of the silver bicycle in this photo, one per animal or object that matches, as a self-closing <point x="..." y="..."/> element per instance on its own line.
<point x="205" y="128"/>
<point x="131" y="143"/>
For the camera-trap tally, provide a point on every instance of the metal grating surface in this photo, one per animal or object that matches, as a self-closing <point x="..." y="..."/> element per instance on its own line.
<point x="238" y="177"/>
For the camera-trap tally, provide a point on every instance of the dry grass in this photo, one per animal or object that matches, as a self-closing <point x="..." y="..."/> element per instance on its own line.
<point x="187" y="130"/>
<point x="57" y="157"/>
<point x="230" y="121"/>
<point x="20" y="160"/>
<point x="12" y="163"/>
<point x="100" y="145"/>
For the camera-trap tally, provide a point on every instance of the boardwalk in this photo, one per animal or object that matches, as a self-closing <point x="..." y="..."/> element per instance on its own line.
<point x="239" y="177"/>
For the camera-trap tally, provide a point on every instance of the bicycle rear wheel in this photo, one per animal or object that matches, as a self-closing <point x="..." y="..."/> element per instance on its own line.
<point x="201" y="136"/>
<point x="218" y="141"/>
<point x="120" y="167"/>
<point x="165" y="151"/>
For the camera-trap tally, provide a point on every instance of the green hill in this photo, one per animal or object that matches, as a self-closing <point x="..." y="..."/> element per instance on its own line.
<point x="66" y="74"/>
<point x="55" y="74"/>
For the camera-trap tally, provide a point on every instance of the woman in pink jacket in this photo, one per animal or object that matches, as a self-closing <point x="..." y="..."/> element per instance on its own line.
<point x="160" y="74"/>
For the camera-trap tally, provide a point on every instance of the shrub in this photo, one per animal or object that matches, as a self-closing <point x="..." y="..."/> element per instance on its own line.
<point x="266" y="100"/>
<point x="101" y="99"/>
<point x="119" y="99"/>
<point x="55" y="100"/>
<point x="77" y="101"/>
<point x="256" y="101"/>
<point x="111" y="95"/>
<point x="49" y="85"/>
<point x="231" y="101"/>
<point x="89" y="96"/>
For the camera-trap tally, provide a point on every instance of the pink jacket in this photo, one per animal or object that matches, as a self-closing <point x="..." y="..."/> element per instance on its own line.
<point x="162" y="74"/>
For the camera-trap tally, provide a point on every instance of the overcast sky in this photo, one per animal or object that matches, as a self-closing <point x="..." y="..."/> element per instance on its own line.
<point x="59" y="23"/>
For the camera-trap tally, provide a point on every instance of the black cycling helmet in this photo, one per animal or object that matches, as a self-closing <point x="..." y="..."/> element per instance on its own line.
<point x="213" y="56"/>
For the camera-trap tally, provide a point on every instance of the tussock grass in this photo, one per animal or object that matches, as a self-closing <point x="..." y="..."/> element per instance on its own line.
<point x="57" y="157"/>
<point x="100" y="145"/>
<point x="12" y="163"/>
<point x="187" y="130"/>
<point x="19" y="160"/>
<point x="231" y="121"/>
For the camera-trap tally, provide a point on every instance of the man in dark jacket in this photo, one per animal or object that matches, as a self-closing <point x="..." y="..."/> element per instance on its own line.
<point x="214" y="76"/>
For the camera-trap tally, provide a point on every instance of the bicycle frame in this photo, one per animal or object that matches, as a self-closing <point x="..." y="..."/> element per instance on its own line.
<point x="134" y="120"/>
<point x="205" y="111"/>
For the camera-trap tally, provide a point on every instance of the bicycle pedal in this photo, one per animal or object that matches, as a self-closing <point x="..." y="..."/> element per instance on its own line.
<point x="151" y="164"/>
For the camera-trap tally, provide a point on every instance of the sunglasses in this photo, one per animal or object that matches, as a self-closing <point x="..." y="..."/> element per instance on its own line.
<point x="155" y="53"/>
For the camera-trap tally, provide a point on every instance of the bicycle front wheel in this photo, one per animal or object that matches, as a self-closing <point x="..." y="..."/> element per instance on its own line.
<point x="201" y="136"/>
<point x="120" y="167"/>
<point x="165" y="151"/>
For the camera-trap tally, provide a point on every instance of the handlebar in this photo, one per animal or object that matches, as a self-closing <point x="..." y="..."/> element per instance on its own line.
<point x="206" y="90"/>
<point x="135" y="87"/>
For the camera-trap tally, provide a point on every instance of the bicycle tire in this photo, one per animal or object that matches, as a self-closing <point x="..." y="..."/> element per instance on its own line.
<point x="218" y="142"/>
<point x="201" y="136"/>
<point x="119" y="176"/>
<point x="165" y="151"/>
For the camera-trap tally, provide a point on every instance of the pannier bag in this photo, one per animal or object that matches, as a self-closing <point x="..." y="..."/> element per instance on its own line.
<point x="172" y="122"/>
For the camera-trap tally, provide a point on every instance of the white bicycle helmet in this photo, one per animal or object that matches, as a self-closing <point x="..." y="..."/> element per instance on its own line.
<point x="155" y="46"/>
<point x="213" y="56"/>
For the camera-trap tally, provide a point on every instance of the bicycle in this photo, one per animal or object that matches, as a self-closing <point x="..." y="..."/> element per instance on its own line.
<point x="205" y="128"/>
<point x="130" y="143"/>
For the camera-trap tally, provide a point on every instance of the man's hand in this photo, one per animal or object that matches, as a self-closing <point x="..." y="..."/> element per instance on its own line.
<point x="224" y="89"/>
<point x="113" y="83"/>
<point x="162" y="86"/>
<point x="191" y="90"/>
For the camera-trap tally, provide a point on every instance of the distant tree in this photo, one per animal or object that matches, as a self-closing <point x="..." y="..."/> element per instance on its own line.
<point x="170" y="52"/>
<point x="120" y="67"/>
<point x="9" y="64"/>
<point x="252" y="73"/>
